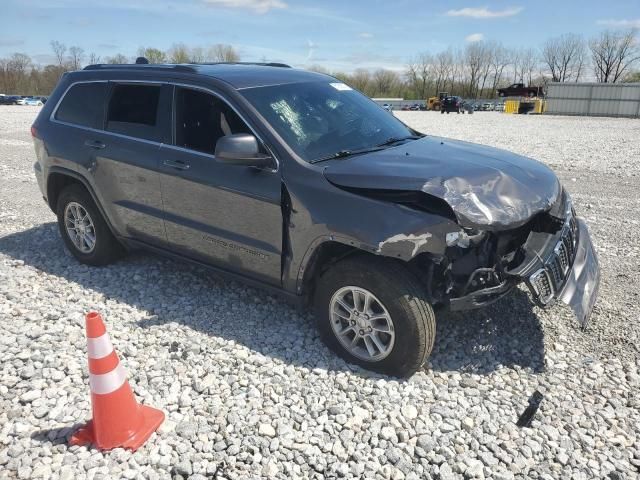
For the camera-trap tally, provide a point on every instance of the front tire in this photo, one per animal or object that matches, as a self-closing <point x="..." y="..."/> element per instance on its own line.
<point x="84" y="231"/>
<point x="373" y="312"/>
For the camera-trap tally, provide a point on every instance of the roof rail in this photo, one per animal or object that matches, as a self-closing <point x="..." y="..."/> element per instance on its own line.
<point x="156" y="66"/>
<point x="261" y="64"/>
<point x="183" y="67"/>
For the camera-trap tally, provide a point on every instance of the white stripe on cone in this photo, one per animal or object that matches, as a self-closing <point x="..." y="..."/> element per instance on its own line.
<point x="99" y="347"/>
<point x="108" y="382"/>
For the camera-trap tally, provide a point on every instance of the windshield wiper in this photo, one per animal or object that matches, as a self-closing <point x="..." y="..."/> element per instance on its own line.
<point x="392" y="140"/>
<point x="347" y="153"/>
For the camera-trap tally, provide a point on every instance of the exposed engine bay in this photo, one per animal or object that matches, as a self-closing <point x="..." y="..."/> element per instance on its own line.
<point x="480" y="267"/>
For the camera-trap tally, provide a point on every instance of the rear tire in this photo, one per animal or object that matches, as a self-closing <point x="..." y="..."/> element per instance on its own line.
<point x="399" y="315"/>
<point x="84" y="231"/>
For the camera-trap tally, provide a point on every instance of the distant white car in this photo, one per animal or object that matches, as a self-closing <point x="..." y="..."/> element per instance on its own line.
<point x="21" y="101"/>
<point x="33" y="102"/>
<point x="488" y="106"/>
<point x="499" y="107"/>
<point x="387" y="107"/>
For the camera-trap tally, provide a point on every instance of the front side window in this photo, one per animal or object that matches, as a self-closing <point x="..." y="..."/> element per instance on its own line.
<point x="202" y="118"/>
<point x="321" y="119"/>
<point x="83" y="105"/>
<point x="133" y="111"/>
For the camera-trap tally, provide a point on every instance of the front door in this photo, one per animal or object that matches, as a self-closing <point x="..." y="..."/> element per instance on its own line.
<point x="226" y="215"/>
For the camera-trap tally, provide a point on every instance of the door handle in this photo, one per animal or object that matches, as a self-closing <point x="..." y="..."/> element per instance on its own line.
<point x="177" y="164"/>
<point x="95" y="144"/>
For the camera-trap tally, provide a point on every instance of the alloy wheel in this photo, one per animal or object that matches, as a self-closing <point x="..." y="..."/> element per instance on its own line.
<point x="361" y="323"/>
<point x="79" y="226"/>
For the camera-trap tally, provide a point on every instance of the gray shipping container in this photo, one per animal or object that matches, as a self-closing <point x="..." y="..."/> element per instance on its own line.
<point x="594" y="99"/>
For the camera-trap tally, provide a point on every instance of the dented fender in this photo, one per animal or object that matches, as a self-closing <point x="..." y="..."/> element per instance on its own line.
<point x="371" y="225"/>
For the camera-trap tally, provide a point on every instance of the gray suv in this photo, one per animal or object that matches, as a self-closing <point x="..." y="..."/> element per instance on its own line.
<point x="297" y="183"/>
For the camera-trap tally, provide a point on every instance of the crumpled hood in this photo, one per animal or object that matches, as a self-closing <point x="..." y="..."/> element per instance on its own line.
<point x="486" y="187"/>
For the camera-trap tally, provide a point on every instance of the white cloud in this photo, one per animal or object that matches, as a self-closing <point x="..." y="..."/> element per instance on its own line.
<point x="258" y="6"/>
<point x="474" y="37"/>
<point x="631" y="23"/>
<point x="365" y="35"/>
<point x="484" y="12"/>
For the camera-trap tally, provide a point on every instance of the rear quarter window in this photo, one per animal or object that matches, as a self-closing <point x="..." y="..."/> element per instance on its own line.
<point x="83" y="105"/>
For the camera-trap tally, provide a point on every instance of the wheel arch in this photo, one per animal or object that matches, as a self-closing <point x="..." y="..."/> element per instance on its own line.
<point x="60" y="178"/>
<point x="319" y="258"/>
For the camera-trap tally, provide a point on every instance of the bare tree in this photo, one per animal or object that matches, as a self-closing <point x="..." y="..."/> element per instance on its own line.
<point x="500" y="59"/>
<point x="59" y="50"/>
<point x="76" y="54"/>
<point x="118" y="58"/>
<point x="360" y="79"/>
<point x="443" y="69"/>
<point x="488" y="52"/>
<point x="179" y="53"/>
<point x="14" y="73"/>
<point x="564" y="56"/>
<point x="222" y="53"/>
<point x="197" y="55"/>
<point x="475" y="62"/>
<point x="514" y="60"/>
<point x="94" y="58"/>
<point x="384" y="81"/>
<point x="154" y="55"/>
<point x="457" y="74"/>
<point x="528" y="62"/>
<point x="613" y="54"/>
<point x="420" y="73"/>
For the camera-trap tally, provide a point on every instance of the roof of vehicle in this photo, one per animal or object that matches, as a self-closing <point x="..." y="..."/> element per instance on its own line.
<point x="239" y="75"/>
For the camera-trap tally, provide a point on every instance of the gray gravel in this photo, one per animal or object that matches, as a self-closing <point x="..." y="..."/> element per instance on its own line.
<point x="250" y="391"/>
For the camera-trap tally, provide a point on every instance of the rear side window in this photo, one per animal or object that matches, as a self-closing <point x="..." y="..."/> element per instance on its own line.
<point x="133" y="111"/>
<point x="83" y="105"/>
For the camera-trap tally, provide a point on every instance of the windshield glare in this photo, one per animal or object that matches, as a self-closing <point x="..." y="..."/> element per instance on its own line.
<point x="320" y="119"/>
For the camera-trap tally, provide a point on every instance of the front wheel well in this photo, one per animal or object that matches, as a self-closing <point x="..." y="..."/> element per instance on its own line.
<point x="331" y="252"/>
<point x="325" y="255"/>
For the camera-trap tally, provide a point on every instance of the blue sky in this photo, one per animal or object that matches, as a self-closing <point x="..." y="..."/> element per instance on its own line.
<point x="338" y="34"/>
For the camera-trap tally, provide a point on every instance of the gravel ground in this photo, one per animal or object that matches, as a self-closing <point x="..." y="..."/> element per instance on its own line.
<point x="250" y="391"/>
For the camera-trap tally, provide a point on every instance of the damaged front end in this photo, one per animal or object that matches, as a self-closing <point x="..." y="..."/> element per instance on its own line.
<point x="552" y="253"/>
<point x="506" y="219"/>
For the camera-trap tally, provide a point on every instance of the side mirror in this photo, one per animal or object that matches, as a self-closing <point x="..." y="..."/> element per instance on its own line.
<point x="241" y="149"/>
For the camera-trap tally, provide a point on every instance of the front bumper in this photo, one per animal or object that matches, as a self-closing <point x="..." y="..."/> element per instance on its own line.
<point x="563" y="266"/>
<point x="570" y="272"/>
<point x="581" y="288"/>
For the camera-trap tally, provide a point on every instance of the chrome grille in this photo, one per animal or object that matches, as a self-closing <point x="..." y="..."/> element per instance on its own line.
<point x="548" y="280"/>
<point x="562" y="255"/>
<point x="542" y="285"/>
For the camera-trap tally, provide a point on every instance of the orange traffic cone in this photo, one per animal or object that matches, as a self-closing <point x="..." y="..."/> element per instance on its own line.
<point x="118" y="420"/>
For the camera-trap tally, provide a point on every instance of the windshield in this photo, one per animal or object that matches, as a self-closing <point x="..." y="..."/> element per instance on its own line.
<point x="319" y="120"/>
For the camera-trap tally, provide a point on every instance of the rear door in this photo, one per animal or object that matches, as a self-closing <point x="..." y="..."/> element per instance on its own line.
<point x="126" y="169"/>
<point x="225" y="215"/>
